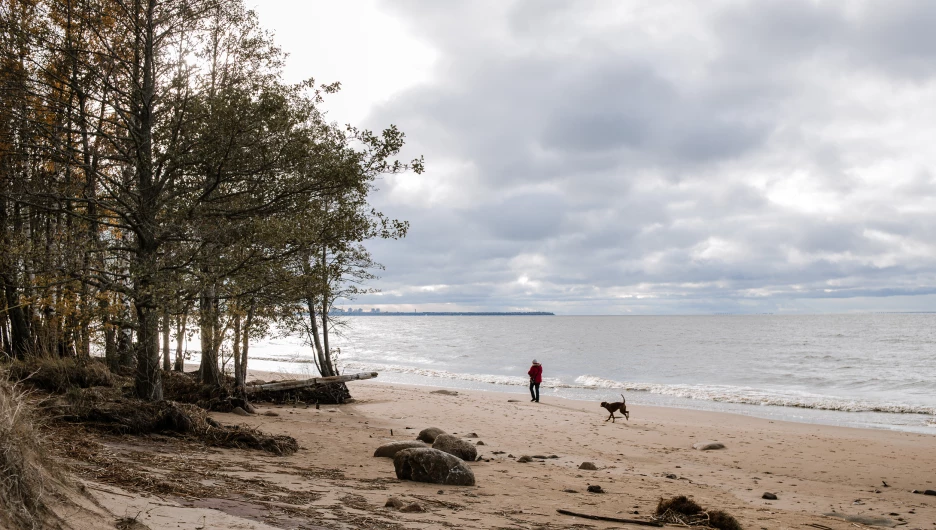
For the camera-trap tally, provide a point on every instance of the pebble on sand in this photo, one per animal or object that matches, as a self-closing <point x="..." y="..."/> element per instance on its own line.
<point x="708" y="446"/>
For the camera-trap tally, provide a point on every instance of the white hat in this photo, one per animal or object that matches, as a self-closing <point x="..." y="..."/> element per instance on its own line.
<point x="535" y="361"/>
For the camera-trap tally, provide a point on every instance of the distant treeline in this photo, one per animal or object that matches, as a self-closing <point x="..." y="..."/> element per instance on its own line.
<point x="445" y="314"/>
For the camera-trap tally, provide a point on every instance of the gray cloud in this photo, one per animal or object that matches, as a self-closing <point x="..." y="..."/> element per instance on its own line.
<point x="595" y="157"/>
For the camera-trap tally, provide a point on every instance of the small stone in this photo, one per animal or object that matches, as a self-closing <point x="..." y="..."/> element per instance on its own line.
<point x="672" y="476"/>
<point x="595" y="489"/>
<point x="569" y="491"/>
<point x="471" y="435"/>
<point x="553" y="456"/>
<point x="513" y="401"/>
<point x="589" y="466"/>
<point x="441" y="492"/>
<point x="524" y="459"/>
<point x="708" y="446"/>
<point x="769" y="496"/>
<point x="412" y="508"/>
<point x="271" y="413"/>
<point x="240" y="412"/>
<point x="445" y="392"/>
<point x="479" y="443"/>
<point x="429" y="435"/>
<point x="394" y="502"/>
<point x="929" y="492"/>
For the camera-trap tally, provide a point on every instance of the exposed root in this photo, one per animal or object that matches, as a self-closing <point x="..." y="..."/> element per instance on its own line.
<point x="131" y="416"/>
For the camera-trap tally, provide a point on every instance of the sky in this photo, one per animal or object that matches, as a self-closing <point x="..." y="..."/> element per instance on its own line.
<point x="641" y="157"/>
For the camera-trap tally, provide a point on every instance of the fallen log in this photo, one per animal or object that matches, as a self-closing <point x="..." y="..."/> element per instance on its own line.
<point x="304" y="383"/>
<point x="612" y="519"/>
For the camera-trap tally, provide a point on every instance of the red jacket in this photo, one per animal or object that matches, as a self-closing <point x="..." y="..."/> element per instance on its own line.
<point x="536" y="373"/>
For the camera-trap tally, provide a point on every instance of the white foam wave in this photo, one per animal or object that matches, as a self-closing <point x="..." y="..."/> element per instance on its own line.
<point x="724" y="393"/>
<point x="751" y="396"/>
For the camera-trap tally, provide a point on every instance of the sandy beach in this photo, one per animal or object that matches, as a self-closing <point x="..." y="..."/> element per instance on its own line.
<point x="334" y="481"/>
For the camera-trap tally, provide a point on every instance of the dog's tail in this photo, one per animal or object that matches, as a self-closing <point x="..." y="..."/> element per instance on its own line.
<point x="622" y="399"/>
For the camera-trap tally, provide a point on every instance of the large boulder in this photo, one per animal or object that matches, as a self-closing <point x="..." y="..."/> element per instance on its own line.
<point x="431" y="465"/>
<point x="389" y="450"/>
<point x="429" y="435"/>
<point x="454" y="445"/>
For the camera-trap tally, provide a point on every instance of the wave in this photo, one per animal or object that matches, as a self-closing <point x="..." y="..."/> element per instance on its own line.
<point x="718" y="393"/>
<point x="751" y="396"/>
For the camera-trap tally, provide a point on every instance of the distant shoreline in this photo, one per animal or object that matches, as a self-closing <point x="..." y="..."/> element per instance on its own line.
<point x="443" y="314"/>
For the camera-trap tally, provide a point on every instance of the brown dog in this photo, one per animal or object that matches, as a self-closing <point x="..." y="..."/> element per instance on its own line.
<point x="616" y="407"/>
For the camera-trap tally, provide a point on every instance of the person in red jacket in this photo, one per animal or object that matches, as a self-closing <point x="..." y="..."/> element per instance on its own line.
<point x="536" y="377"/>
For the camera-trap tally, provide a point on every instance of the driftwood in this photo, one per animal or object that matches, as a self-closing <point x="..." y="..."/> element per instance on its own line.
<point x="612" y="519"/>
<point x="304" y="383"/>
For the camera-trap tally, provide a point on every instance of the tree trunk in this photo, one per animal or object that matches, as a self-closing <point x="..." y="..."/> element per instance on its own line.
<point x="328" y="365"/>
<point x="19" y="325"/>
<point x="320" y="362"/>
<point x="208" y="371"/>
<point x="241" y="376"/>
<point x="110" y="348"/>
<point x="148" y="380"/>
<point x="278" y="386"/>
<point x="236" y="347"/>
<point x="167" y="363"/>
<point x="180" y="337"/>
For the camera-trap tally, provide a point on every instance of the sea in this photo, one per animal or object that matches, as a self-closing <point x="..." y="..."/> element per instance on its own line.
<point x="858" y="370"/>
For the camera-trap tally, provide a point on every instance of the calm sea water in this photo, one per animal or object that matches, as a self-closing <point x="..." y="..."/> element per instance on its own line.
<point x="869" y="370"/>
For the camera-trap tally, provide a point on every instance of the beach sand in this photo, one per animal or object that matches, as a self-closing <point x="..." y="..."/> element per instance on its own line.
<point x="335" y="482"/>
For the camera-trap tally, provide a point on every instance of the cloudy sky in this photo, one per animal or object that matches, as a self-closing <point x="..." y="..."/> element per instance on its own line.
<point x="642" y="157"/>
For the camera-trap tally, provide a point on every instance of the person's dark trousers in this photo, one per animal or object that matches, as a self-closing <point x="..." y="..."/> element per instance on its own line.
<point x="534" y="391"/>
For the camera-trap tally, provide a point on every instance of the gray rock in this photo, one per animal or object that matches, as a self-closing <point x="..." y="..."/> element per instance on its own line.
<point x="480" y="443"/>
<point x="708" y="446"/>
<point x="524" y="459"/>
<point x="445" y="392"/>
<point x="434" y="466"/>
<point x="249" y="408"/>
<point x="429" y="435"/>
<point x="389" y="450"/>
<point x="271" y="413"/>
<point x="588" y="466"/>
<point x="454" y="445"/>
<point x="412" y="508"/>
<point x="595" y="489"/>
<point x="394" y="502"/>
<point x="471" y="435"/>
<point x="929" y="492"/>
<point x="769" y="496"/>
<point x="240" y="412"/>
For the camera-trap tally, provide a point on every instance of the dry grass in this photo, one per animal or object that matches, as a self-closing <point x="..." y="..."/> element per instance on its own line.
<point x="61" y="374"/>
<point x="23" y="476"/>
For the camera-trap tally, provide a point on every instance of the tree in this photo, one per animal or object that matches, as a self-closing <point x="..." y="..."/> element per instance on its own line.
<point x="332" y="262"/>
